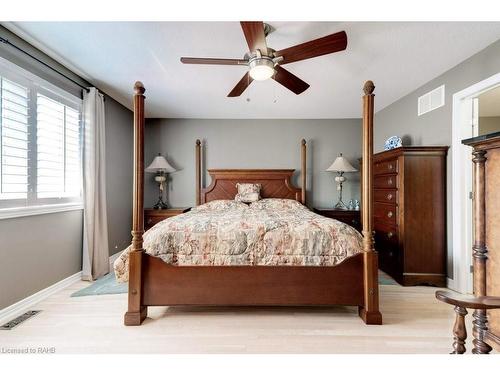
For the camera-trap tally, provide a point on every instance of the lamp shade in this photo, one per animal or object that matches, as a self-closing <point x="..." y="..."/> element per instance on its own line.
<point x="341" y="164"/>
<point x="160" y="164"/>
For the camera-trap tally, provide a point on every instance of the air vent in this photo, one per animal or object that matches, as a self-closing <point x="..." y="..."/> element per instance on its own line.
<point x="430" y="101"/>
<point x="20" y="319"/>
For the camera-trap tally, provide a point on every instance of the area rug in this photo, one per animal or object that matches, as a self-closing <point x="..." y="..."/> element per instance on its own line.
<point x="108" y="285"/>
<point x="105" y="285"/>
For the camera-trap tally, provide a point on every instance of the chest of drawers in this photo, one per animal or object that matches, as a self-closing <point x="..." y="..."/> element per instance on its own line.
<point x="409" y="214"/>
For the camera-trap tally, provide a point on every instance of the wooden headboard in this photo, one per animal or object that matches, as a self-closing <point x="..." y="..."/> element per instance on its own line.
<point x="275" y="183"/>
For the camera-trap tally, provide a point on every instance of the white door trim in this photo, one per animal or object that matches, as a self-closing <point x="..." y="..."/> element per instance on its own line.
<point x="462" y="181"/>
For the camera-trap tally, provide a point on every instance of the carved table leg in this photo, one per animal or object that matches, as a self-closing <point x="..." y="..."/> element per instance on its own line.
<point x="459" y="331"/>
<point x="479" y="327"/>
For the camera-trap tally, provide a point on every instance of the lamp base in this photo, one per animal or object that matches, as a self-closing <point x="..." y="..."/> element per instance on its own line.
<point x="160" y="205"/>
<point x="340" y="205"/>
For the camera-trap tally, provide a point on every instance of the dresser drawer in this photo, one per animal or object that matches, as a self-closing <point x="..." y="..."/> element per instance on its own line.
<point x="385" y="181"/>
<point x="386" y="234"/>
<point x="385" y="213"/>
<point x="383" y="167"/>
<point x="385" y="196"/>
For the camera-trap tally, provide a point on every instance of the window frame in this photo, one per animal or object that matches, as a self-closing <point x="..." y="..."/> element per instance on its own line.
<point x="33" y="205"/>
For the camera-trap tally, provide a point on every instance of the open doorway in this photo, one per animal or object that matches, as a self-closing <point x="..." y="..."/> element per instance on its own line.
<point x="489" y="111"/>
<point x="476" y="111"/>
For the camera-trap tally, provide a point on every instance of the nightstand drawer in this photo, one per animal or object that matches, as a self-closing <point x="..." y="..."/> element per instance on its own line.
<point x="153" y="217"/>
<point x="350" y="217"/>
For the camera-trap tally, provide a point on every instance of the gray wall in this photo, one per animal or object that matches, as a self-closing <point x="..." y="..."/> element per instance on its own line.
<point x="434" y="128"/>
<point x="119" y="169"/>
<point x="38" y="251"/>
<point x="489" y="125"/>
<point x="254" y="144"/>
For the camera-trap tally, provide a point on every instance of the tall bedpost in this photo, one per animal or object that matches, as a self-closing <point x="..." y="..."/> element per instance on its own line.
<point x="198" y="172"/>
<point x="136" y="311"/>
<point x="370" y="311"/>
<point x="303" y="155"/>
<point x="479" y="251"/>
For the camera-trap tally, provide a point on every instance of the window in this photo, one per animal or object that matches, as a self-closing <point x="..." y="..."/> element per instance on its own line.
<point x="40" y="143"/>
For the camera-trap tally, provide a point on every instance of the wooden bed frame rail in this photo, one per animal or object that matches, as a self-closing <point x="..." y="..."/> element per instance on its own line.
<point x="153" y="282"/>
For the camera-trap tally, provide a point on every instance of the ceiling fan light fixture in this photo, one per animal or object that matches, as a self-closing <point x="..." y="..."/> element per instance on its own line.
<point x="261" y="68"/>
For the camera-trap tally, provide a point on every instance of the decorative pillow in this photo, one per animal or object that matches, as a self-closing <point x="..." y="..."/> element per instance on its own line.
<point x="220" y="204"/>
<point x="277" y="204"/>
<point x="247" y="193"/>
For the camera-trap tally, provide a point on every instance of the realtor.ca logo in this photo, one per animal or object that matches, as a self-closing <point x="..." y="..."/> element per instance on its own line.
<point x="29" y="350"/>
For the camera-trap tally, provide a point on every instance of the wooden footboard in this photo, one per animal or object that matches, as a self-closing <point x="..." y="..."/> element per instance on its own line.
<point x="167" y="285"/>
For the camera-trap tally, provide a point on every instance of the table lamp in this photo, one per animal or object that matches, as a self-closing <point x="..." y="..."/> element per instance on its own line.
<point x="340" y="165"/>
<point x="161" y="167"/>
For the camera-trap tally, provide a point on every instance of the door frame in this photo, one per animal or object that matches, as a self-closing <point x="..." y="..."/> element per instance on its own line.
<point x="463" y="127"/>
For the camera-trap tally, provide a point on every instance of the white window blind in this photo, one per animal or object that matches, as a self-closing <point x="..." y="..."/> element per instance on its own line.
<point x="14" y="140"/>
<point x="58" y="149"/>
<point x="40" y="142"/>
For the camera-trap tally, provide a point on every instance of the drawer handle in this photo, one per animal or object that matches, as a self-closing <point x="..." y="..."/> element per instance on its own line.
<point x="390" y="235"/>
<point x="389" y="214"/>
<point x="389" y="181"/>
<point x="391" y="254"/>
<point x="150" y="221"/>
<point x="390" y="166"/>
<point x="389" y="197"/>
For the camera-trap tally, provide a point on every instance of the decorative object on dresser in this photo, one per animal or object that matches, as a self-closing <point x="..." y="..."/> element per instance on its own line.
<point x="351" y="217"/>
<point x="409" y="213"/>
<point x="161" y="167"/>
<point x="153" y="216"/>
<point x="486" y="227"/>
<point x="340" y="165"/>
<point x="392" y="143"/>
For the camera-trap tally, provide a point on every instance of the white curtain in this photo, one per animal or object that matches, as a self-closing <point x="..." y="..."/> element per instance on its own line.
<point x="95" y="224"/>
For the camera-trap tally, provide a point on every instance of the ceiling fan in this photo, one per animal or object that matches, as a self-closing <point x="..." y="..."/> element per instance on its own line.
<point x="264" y="62"/>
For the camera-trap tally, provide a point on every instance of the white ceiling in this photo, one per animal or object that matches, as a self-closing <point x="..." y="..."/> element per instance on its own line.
<point x="398" y="57"/>
<point x="489" y="103"/>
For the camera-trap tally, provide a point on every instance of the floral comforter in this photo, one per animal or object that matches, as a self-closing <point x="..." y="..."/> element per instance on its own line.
<point x="269" y="232"/>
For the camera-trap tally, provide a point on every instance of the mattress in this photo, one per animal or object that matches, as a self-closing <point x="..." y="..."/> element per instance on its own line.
<point x="269" y="232"/>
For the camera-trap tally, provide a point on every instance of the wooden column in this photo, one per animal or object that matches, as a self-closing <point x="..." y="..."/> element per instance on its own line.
<point x="136" y="311"/>
<point x="198" y="171"/>
<point x="479" y="251"/>
<point x="459" y="331"/>
<point x="370" y="311"/>
<point x="303" y="156"/>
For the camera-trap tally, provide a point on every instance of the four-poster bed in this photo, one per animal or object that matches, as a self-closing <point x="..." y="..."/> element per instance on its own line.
<point x="153" y="282"/>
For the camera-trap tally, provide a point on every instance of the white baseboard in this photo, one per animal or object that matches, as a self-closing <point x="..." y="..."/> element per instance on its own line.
<point x="18" y="308"/>
<point x="450" y="284"/>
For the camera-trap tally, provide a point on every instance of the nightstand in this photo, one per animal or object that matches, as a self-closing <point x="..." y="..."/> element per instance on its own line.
<point x="152" y="216"/>
<point x="351" y="217"/>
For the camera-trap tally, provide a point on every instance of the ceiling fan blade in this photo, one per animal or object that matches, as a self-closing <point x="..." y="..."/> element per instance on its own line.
<point x="289" y="80"/>
<point x="255" y="36"/>
<point x="317" y="47"/>
<point x="211" y="61"/>
<point x="241" y="86"/>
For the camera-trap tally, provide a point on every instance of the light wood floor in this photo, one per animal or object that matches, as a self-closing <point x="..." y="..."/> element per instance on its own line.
<point x="414" y="322"/>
